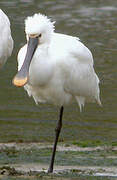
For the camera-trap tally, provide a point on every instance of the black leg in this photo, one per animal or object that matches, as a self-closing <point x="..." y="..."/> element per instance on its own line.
<point x="57" y="132"/>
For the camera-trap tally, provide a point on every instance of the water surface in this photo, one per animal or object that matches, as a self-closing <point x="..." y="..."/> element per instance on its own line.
<point x="94" y="22"/>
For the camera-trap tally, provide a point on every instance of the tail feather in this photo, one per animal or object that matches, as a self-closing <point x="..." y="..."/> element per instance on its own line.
<point x="99" y="101"/>
<point x="81" y="102"/>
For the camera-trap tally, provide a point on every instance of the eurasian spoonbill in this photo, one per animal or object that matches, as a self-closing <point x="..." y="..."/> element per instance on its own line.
<point x="6" y="41"/>
<point x="55" y="68"/>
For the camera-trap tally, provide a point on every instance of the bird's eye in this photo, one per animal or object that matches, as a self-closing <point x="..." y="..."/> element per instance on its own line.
<point x="39" y="35"/>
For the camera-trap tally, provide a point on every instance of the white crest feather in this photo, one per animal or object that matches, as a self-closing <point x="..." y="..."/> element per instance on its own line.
<point x="37" y="23"/>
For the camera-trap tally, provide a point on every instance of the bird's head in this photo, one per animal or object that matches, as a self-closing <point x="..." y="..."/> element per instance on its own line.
<point x="39" y="26"/>
<point x="38" y="29"/>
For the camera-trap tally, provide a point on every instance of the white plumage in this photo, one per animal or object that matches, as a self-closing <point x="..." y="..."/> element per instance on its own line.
<point x="61" y="68"/>
<point x="6" y="41"/>
<point x="55" y="68"/>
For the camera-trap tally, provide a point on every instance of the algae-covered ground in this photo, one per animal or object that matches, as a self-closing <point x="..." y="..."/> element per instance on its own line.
<point x="31" y="160"/>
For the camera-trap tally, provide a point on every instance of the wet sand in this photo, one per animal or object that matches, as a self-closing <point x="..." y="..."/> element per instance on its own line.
<point x="34" y="168"/>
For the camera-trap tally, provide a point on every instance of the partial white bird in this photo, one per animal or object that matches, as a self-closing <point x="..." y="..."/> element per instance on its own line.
<point x="6" y="41"/>
<point x="55" y="68"/>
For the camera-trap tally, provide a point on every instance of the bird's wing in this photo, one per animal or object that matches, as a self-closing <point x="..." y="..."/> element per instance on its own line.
<point x="80" y="78"/>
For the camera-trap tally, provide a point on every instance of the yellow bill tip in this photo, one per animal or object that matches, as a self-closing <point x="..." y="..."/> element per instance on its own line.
<point x="20" y="82"/>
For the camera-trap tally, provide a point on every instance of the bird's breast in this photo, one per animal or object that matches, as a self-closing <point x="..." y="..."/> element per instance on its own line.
<point x="41" y="71"/>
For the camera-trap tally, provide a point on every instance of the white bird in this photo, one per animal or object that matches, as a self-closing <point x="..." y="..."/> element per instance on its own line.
<point x="6" y="41"/>
<point x="55" y="68"/>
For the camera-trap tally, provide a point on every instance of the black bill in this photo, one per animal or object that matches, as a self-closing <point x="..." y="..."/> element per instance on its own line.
<point x="21" y="77"/>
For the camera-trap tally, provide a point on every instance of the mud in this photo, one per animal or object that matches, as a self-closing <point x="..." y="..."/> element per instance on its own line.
<point x="34" y="168"/>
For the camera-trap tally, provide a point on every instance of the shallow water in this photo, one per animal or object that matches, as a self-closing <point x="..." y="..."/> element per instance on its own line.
<point x="94" y="22"/>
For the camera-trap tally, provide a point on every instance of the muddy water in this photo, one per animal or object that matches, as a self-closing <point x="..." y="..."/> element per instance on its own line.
<point x="94" y="22"/>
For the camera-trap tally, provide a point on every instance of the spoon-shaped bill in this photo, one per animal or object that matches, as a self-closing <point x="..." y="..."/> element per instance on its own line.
<point x="21" y="77"/>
